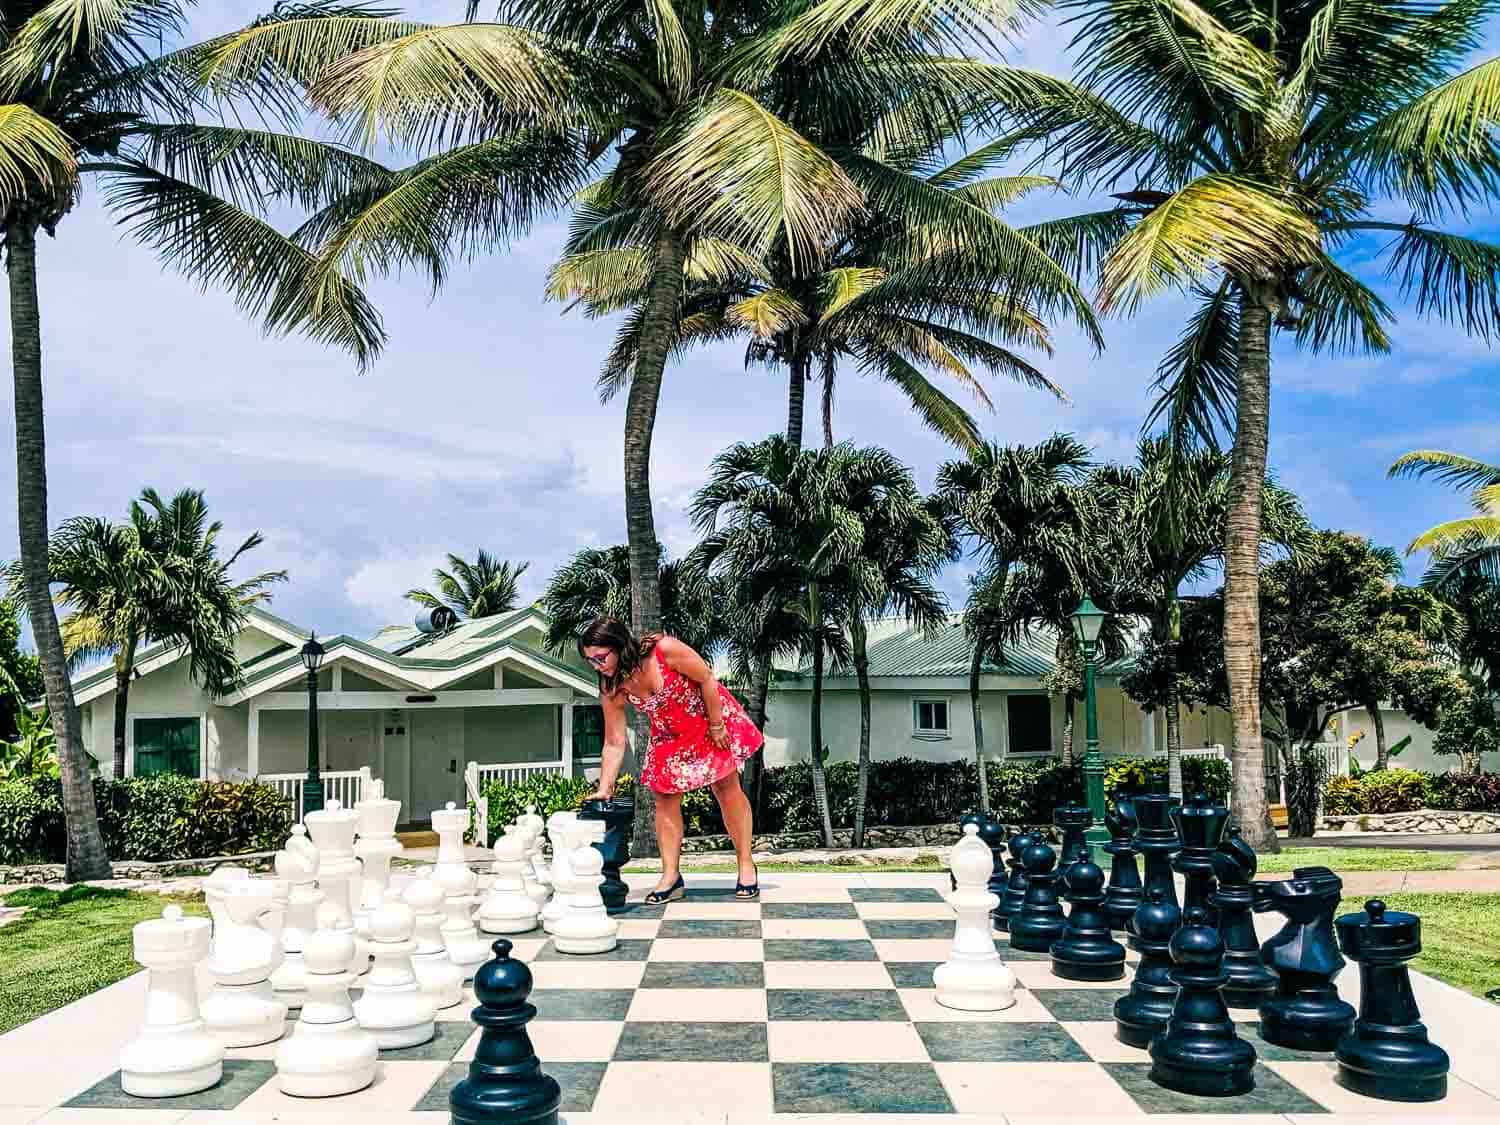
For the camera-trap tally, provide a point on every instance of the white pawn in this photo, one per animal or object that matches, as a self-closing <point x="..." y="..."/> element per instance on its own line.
<point x="465" y="947"/>
<point x="585" y="926"/>
<point x="560" y="828"/>
<point x="393" y="1008"/>
<point x="297" y="864"/>
<point x="535" y="826"/>
<point x="437" y="976"/>
<point x="175" y="1053"/>
<point x="973" y="979"/>
<point x="509" y="909"/>
<point x="327" y="1053"/>
<point x="531" y="852"/>
<point x="242" y="1009"/>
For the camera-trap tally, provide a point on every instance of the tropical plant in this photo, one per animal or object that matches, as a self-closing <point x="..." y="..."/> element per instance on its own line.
<point x="1251" y="146"/>
<point x="1465" y="548"/>
<point x="157" y="577"/>
<point x="20" y="672"/>
<point x="87" y="90"/>
<point x="33" y="753"/>
<point x="482" y="588"/>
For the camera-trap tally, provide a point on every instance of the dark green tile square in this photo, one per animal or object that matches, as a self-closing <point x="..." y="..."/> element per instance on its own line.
<point x="579" y="1081"/>
<point x="450" y="1037"/>
<point x="809" y="911"/>
<point x="1002" y="946"/>
<point x="1271" y="1052"/>
<point x="704" y="974"/>
<point x="834" y="1004"/>
<point x="687" y="1042"/>
<point x="629" y="949"/>
<point x="999" y="1042"/>
<point x="582" y="1003"/>
<point x="818" y="949"/>
<point x="909" y="929"/>
<point x="711" y="896"/>
<point x="1272" y="1094"/>
<point x="894" y="894"/>
<point x="242" y="1077"/>
<point x="708" y="928"/>
<point x="1079" y="1004"/>
<point x="638" y="909"/>
<point x="911" y="974"/>
<point x="857" y="1088"/>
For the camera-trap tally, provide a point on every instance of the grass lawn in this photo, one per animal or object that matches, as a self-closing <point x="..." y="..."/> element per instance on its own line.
<point x="1460" y="936"/>
<point x="69" y="944"/>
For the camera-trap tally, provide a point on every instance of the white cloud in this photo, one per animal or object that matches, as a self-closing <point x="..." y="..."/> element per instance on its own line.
<point x="379" y="586"/>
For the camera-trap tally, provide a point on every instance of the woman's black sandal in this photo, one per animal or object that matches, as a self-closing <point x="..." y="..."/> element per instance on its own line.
<point x="675" y="891"/>
<point x="748" y="891"/>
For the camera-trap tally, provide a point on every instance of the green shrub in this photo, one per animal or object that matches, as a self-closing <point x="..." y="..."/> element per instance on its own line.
<point x="1127" y="777"/>
<point x="1345" y="796"/>
<point x="31" y="824"/>
<point x="227" y="818"/>
<point x="1465" y="792"/>
<point x="1393" y="791"/>
<point x="548" y="793"/>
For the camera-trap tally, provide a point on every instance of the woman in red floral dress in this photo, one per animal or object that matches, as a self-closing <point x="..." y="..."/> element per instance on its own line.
<point x="700" y="735"/>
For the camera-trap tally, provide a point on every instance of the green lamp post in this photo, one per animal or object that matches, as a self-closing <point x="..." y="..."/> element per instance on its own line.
<point x="312" y="788"/>
<point x="1088" y="620"/>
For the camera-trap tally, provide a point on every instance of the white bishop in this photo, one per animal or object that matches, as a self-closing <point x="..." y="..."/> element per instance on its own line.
<point x="973" y="979"/>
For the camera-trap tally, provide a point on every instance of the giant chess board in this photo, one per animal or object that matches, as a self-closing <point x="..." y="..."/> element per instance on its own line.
<point x="816" y="1000"/>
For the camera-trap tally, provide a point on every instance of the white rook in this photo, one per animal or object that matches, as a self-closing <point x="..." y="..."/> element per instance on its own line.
<point x="175" y="1053"/>
<point x="973" y="979"/>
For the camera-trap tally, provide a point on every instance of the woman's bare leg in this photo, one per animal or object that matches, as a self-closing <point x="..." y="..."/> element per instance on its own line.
<point x="737" y="822"/>
<point x="669" y="836"/>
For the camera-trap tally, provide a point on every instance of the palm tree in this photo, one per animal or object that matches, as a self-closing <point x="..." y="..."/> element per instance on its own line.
<point x="483" y="588"/>
<point x="156" y="577"/>
<point x="1011" y="503"/>
<point x="1253" y="143"/>
<point x="86" y="91"/>
<point x="1464" y="547"/>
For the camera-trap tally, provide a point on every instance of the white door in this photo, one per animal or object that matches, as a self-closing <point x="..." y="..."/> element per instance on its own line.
<point x="436" y="760"/>
<point x="395" y="760"/>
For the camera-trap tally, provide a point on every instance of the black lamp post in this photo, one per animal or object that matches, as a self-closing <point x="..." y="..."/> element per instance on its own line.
<point x="1088" y="620"/>
<point x="312" y="788"/>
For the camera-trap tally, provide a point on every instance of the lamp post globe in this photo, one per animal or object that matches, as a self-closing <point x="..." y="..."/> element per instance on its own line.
<point x="312" y="787"/>
<point x="1088" y="622"/>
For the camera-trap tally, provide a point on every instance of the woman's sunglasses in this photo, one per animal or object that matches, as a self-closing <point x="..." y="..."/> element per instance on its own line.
<point x="597" y="661"/>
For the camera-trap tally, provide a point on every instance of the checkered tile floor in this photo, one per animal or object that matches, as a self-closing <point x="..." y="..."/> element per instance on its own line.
<point x="813" y="1001"/>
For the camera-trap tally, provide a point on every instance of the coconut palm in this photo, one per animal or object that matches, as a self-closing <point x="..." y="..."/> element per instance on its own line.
<point x="482" y="588"/>
<point x="158" y="578"/>
<point x="1464" y="547"/>
<point x="87" y="93"/>
<point x="1265" y="139"/>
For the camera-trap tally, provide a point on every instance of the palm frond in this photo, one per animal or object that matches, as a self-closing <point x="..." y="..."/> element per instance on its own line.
<point x="768" y="314"/>
<point x="1455" y="278"/>
<point x="33" y="152"/>
<point x="938" y="412"/>
<point x="1448" y="468"/>
<point x="1196" y="378"/>
<point x="1341" y="313"/>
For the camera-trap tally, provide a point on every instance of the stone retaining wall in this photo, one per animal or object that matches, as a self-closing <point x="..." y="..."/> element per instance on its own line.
<point x="137" y="869"/>
<point x="1420" y="821"/>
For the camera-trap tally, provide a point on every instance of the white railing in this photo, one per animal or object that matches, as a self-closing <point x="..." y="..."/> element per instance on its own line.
<point x="477" y="777"/>
<point x="481" y="818"/>
<point x="1214" y="751"/>
<point x="1336" y="754"/>
<point x="347" y="786"/>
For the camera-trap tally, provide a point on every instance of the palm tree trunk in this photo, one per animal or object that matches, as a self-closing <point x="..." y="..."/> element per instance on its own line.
<point x="796" y="396"/>
<point x="1174" y="728"/>
<point x="1382" y="751"/>
<point x="1247" y="476"/>
<point x="1067" y="739"/>
<point x="124" y="666"/>
<point x="760" y="693"/>
<point x="820" y="780"/>
<point x="976" y="661"/>
<point x="658" y="325"/>
<point x="862" y="673"/>
<point x="827" y="407"/>
<point x="86" y="857"/>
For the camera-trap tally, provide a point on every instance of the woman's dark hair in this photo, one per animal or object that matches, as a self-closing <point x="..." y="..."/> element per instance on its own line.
<point x="612" y="633"/>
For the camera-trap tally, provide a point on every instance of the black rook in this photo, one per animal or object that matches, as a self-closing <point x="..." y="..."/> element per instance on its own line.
<point x="1156" y="841"/>
<point x="1200" y="826"/>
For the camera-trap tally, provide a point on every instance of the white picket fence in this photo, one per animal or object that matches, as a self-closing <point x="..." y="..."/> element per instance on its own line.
<point x="478" y="776"/>
<point x="347" y="786"/>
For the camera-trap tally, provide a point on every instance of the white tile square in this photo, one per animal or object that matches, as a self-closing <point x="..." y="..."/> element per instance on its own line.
<point x="922" y="1007"/>
<point x="564" y="1041"/>
<point x="639" y="928"/>
<point x="685" y="910"/>
<point x="818" y="892"/>
<point x="800" y="929"/>
<point x="397" y="1084"/>
<point x="582" y="973"/>
<point x="1318" y="1081"/>
<point x="1039" y="974"/>
<point x="674" y="1088"/>
<point x="698" y="1005"/>
<point x="915" y="949"/>
<point x="905" y="911"/>
<point x="1035" y="1088"/>
<point x="1098" y="1039"/>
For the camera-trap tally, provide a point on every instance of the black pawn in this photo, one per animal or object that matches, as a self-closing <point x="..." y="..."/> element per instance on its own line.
<point x="619" y="817"/>
<point x="1073" y="822"/>
<point x="1086" y="951"/>
<point x="1387" y="1054"/>
<point x="1040" y="921"/>
<point x="1156" y="841"/>
<point x="1250" y="982"/>
<point x="1200" y="827"/>
<point x="1199" y="1053"/>
<point x="505" y="1084"/>
<point x="1123" y="894"/>
<point x="1142" y="1014"/>
<point x="1305" y="1013"/>
<point x="1015" y="888"/>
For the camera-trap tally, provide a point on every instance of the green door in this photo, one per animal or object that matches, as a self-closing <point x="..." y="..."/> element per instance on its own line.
<point x="168" y="746"/>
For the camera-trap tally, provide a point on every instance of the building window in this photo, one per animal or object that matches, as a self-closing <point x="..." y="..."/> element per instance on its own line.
<point x="588" y="732"/>
<point x="168" y="746"/>
<point x="1030" y="724"/>
<point x="930" y="718"/>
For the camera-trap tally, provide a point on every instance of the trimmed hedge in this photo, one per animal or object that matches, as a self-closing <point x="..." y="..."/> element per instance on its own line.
<point x="146" y="818"/>
<point x="547" y="793"/>
<point x="1401" y="790"/>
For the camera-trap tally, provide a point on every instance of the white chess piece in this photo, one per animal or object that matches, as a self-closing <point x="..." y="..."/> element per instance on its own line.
<point x="242" y="1009"/>
<point x="508" y="908"/>
<point x="376" y="847"/>
<point x="535" y="827"/>
<point x="973" y="979"/>
<point x="450" y="824"/>
<point x="175" y="1053"/>
<point x="297" y="864"/>
<point x="327" y="1053"/>
<point x="393" y="1008"/>
<point x="332" y="829"/>
<point x="560" y="829"/>
<point x="437" y="976"/>
<point x="465" y="947"/>
<point x="585" y="926"/>
<point x="531" y="852"/>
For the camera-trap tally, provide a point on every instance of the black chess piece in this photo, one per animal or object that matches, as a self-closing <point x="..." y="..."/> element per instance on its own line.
<point x="1123" y="894"/>
<point x="505" y="1085"/>
<point x="1199" y="1052"/>
<point x="1015" y="888"/>
<point x="1156" y="841"/>
<point x="1200" y="827"/>
<point x="992" y="832"/>
<point x="1143" y="1013"/>
<point x="1040" y="920"/>
<point x="1250" y="981"/>
<point x="618" y="815"/>
<point x="1073" y="822"/>
<point x="1086" y="951"/>
<point x="1305" y="1012"/>
<point x="1387" y="1054"/>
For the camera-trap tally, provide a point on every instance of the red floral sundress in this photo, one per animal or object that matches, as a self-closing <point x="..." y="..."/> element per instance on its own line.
<point x="681" y="756"/>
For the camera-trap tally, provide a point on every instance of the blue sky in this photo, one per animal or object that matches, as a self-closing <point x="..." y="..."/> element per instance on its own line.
<point x="480" y="427"/>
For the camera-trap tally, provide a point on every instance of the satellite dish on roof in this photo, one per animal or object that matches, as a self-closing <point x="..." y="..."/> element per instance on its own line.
<point x="438" y="619"/>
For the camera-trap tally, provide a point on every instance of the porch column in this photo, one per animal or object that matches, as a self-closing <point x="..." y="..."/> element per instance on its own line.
<point x="252" y="750"/>
<point x="1148" y="731"/>
<point x="566" y="713"/>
